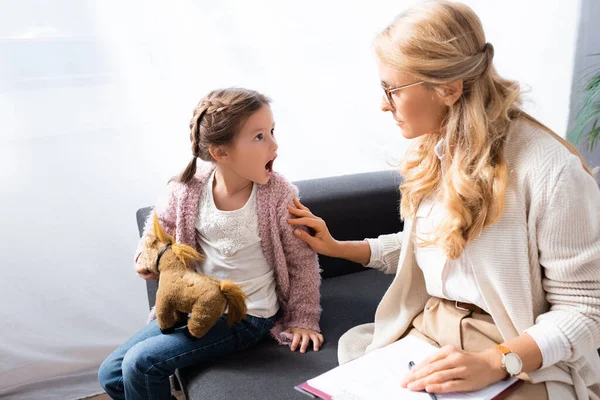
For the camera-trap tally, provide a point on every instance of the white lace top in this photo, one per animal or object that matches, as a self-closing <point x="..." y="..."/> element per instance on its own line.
<point x="232" y="246"/>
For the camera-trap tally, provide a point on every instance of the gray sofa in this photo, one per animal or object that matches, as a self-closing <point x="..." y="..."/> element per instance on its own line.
<point x="355" y="207"/>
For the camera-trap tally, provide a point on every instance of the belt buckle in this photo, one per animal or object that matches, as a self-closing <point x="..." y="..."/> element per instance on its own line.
<point x="459" y="307"/>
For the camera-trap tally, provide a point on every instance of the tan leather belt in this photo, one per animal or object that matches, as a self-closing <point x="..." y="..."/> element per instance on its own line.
<point x="470" y="307"/>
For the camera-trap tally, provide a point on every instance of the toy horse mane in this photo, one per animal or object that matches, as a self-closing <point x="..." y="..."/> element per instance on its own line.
<point x="184" y="253"/>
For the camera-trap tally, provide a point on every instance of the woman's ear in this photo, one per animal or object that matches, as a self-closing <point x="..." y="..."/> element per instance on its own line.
<point x="218" y="153"/>
<point x="450" y="92"/>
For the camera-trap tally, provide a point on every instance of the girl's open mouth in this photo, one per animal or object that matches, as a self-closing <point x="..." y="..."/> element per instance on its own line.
<point x="269" y="166"/>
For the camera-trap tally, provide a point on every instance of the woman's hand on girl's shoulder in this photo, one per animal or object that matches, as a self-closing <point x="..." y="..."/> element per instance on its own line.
<point x="303" y="337"/>
<point x="321" y="241"/>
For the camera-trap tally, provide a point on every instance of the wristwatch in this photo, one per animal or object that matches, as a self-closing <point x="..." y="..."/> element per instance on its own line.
<point x="511" y="362"/>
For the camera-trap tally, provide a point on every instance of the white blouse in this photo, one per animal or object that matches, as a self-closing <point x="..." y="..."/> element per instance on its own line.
<point x="232" y="246"/>
<point x="444" y="278"/>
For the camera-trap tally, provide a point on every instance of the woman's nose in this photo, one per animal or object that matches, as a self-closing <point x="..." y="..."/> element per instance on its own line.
<point x="385" y="105"/>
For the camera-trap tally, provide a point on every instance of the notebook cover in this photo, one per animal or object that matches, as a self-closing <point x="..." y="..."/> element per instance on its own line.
<point x="315" y="393"/>
<point x="312" y="392"/>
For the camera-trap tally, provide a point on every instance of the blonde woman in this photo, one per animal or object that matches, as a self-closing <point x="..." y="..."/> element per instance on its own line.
<point x="499" y="260"/>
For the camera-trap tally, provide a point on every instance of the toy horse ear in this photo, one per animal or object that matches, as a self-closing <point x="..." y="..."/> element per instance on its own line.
<point x="160" y="233"/>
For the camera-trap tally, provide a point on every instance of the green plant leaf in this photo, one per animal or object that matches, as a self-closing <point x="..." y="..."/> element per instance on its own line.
<point x="593" y="137"/>
<point x="593" y="83"/>
<point x="589" y="113"/>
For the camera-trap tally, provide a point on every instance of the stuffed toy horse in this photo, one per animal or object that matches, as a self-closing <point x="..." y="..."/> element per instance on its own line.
<point x="183" y="291"/>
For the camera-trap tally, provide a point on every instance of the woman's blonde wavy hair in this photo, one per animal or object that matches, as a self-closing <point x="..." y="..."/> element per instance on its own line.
<point x="439" y="42"/>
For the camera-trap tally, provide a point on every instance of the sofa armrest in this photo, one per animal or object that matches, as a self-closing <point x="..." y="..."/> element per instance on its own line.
<point x="151" y="286"/>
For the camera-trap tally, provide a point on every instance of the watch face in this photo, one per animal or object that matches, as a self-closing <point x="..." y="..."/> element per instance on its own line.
<point x="513" y="364"/>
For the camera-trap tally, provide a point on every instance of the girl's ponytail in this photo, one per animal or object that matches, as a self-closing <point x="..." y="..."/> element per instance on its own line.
<point x="190" y="170"/>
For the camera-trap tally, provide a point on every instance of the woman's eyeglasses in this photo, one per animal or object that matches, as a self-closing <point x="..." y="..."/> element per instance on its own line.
<point x="389" y="91"/>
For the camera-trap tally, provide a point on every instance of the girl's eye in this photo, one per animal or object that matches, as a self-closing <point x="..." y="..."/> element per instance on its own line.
<point x="273" y="132"/>
<point x="259" y="137"/>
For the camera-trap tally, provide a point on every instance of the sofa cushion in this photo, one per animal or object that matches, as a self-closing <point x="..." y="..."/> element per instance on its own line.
<point x="270" y="371"/>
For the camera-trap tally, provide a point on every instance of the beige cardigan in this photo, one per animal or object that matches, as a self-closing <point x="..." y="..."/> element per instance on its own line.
<point x="539" y="261"/>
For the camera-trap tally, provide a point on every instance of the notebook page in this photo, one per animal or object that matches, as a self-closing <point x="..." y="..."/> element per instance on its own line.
<point x="377" y="375"/>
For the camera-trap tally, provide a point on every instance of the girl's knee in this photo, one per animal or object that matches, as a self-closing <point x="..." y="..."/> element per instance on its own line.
<point x="133" y="362"/>
<point x="139" y="360"/>
<point x="109" y="375"/>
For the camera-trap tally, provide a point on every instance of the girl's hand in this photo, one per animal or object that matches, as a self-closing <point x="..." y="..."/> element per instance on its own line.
<point x="322" y="242"/>
<point x="145" y="272"/>
<point x="303" y="337"/>
<point x="454" y="370"/>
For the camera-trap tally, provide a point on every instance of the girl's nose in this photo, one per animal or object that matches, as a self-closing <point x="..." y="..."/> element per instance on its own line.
<point x="274" y="144"/>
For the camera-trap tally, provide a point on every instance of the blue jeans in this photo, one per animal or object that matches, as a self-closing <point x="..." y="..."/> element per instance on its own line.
<point x="140" y="368"/>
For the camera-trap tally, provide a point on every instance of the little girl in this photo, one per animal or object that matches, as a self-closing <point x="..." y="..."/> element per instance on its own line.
<point x="234" y="211"/>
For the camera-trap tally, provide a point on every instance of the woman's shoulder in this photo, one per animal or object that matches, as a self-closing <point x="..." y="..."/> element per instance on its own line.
<point x="537" y="159"/>
<point x="535" y="151"/>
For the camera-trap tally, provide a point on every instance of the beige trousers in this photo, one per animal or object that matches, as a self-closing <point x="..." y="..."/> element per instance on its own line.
<point x="441" y="324"/>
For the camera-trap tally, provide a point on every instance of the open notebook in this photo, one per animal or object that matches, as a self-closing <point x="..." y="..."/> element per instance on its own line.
<point x="377" y="375"/>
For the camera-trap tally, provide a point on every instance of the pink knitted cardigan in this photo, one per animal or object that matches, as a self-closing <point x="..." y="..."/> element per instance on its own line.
<point x="296" y="267"/>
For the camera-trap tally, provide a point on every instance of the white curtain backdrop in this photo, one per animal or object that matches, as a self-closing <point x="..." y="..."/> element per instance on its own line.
<point x="95" y="100"/>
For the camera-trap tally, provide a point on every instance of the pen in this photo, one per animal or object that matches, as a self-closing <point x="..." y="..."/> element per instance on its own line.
<point x="412" y="364"/>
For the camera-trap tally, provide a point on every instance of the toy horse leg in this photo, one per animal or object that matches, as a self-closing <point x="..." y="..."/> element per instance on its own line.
<point x="201" y="320"/>
<point x="166" y="316"/>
